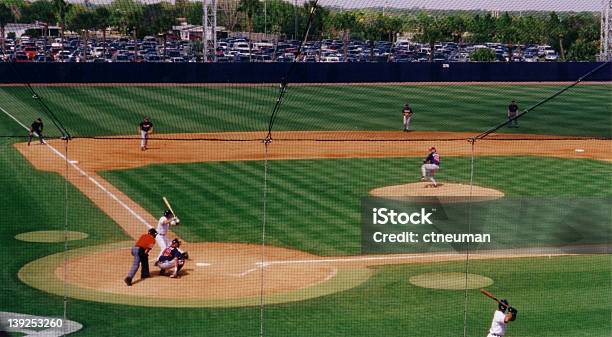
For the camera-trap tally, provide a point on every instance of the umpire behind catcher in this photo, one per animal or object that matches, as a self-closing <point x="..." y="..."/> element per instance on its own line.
<point x="140" y="251"/>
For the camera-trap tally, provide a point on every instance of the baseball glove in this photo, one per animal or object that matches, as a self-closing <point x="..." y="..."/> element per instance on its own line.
<point x="514" y="312"/>
<point x="186" y="255"/>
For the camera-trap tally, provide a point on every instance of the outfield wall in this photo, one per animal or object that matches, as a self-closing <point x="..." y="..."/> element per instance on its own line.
<point x="303" y="73"/>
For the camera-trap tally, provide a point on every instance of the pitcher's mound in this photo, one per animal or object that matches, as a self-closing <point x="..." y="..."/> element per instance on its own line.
<point x="445" y="192"/>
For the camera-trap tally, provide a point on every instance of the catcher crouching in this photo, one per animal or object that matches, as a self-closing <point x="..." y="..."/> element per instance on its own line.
<point x="172" y="259"/>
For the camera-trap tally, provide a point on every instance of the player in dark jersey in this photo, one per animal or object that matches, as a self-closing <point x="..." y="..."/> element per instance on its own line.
<point x="171" y="258"/>
<point x="36" y="129"/>
<point x="430" y="165"/>
<point x="512" y="112"/>
<point x="145" y="128"/>
<point x="407" y="114"/>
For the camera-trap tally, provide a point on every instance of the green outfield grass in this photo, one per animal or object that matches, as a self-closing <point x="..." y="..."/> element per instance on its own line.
<point x="314" y="205"/>
<point x="94" y="111"/>
<point x="35" y="201"/>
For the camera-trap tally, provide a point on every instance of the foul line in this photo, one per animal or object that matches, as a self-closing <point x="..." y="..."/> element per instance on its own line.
<point x="351" y="259"/>
<point x="83" y="173"/>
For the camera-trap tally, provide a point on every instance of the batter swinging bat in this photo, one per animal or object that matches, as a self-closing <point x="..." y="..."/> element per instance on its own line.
<point x="168" y="205"/>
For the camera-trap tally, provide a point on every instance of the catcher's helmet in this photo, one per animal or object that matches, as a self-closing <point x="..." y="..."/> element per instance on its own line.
<point x="176" y="241"/>
<point x="503" y="305"/>
<point x="168" y="213"/>
<point x="152" y="231"/>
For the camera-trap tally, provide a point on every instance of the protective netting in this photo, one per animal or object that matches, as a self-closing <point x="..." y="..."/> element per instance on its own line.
<point x="284" y="191"/>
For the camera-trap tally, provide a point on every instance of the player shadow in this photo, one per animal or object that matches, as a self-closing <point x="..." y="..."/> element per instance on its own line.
<point x="430" y="185"/>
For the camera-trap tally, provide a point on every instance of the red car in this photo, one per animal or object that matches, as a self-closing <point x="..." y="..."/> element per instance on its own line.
<point x="30" y="52"/>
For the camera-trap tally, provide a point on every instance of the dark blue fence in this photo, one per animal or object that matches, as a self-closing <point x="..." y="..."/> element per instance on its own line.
<point x="303" y="72"/>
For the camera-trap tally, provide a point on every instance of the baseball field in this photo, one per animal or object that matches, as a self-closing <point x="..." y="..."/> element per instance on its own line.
<point x="274" y="233"/>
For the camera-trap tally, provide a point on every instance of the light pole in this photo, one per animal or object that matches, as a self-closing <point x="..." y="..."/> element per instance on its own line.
<point x="265" y="17"/>
<point x="295" y="4"/>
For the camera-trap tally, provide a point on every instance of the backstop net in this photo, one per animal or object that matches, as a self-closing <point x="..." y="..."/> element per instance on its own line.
<point x="339" y="207"/>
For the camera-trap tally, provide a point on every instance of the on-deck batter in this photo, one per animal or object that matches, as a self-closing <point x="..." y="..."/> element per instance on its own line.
<point x="501" y="318"/>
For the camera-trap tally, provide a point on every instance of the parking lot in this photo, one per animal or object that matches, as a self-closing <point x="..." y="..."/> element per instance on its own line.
<point x="152" y="49"/>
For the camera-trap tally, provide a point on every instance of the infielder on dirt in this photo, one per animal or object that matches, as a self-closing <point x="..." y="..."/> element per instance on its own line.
<point x="501" y="318"/>
<point x="167" y="220"/>
<point x="171" y="258"/>
<point x="430" y="165"/>
<point x="145" y="128"/>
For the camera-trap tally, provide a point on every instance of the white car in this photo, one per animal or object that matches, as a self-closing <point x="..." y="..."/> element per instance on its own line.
<point x="331" y="59"/>
<point x="98" y="51"/>
<point x="241" y="47"/>
<point x="551" y="57"/>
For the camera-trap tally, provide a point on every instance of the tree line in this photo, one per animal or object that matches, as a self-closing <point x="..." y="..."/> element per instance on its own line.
<point x="574" y="35"/>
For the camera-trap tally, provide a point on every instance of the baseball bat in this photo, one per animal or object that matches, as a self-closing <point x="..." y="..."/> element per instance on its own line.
<point x="488" y="294"/>
<point x="168" y="205"/>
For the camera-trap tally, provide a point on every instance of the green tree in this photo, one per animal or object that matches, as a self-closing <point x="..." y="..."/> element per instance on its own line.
<point x="554" y="27"/>
<point x="280" y="18"/>
<point x="126" y="15"/>
<point x="506" y="32"/>
<point x="482" y="55"/>
<point x="42" y="10"/>
<point x="227" y="13"/>
<point x="20" y="10"/>
<point x="528" y="29"/>
<point x="61" y="8"/>
<point x="102" y="21"/>
<point x="583" y="50"/>
<point x="431" y="29"/>
<point x="80" y="19"/>
<point x="249" y="8"/>
<point x="6" y="16"/>
<point x="481" y="28"/>
<point x="457" y="26"/>
<point x="318" y="21"/>
<point x="157" y="18"/>
<point x="341" y="23"/>
<point x="194" y="13"/>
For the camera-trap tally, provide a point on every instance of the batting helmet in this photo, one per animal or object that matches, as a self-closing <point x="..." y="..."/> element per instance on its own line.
<point x="168" y="213"/>
<point x="503" y="305"/>
<point x="152" y="231"/>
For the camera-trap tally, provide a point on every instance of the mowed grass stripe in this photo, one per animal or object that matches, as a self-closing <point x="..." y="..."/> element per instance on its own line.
<point x="94" y="113"/>
<point x="583" y="110"/>
<point x="309" y="197"/>
<point x="224" y="110"/>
